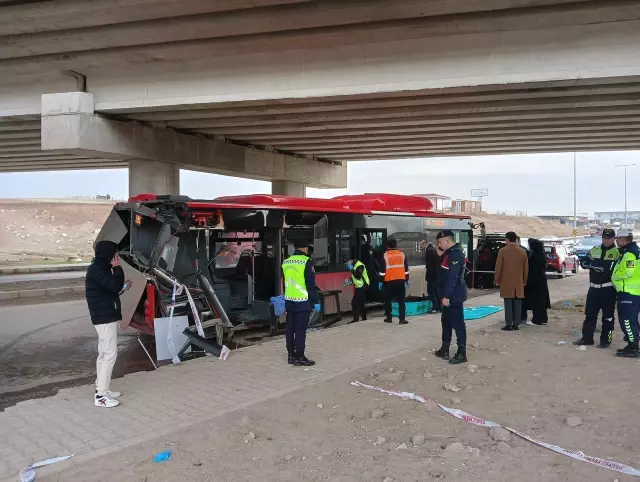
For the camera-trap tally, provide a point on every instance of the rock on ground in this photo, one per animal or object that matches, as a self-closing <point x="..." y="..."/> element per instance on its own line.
<point x="574" y="421"/>
<point x="377" y="413"/>
<point x="500" y="434"/>
<point x="451" y="388"/>
<point x="418" y="439"/>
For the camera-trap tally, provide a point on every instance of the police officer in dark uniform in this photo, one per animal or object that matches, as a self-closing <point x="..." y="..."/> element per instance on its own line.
<point x="602" y="294"/>
<point x="453" y="290"/>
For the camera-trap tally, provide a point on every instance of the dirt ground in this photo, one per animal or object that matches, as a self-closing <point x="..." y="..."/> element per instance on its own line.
<point x="31" y="230"/>
<point x="333" y="431"/>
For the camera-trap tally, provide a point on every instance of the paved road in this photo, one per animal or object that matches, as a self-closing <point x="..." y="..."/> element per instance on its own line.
<point x="50" y="346"/>
<point x="14" y="278"/>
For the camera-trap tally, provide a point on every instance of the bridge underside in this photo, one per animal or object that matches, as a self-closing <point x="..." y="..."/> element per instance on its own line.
<point x="275" y="87"/>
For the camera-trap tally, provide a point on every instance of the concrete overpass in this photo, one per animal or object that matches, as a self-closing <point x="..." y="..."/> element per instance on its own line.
<point x="291" y="90"/>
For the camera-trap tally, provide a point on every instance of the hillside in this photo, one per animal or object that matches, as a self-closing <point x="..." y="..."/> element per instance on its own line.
<point x="33" y="230"/>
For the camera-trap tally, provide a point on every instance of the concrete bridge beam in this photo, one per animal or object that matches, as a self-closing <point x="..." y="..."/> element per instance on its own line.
<point x="69" y="125"/>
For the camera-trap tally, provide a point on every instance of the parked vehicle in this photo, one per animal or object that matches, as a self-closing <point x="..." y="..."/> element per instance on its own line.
<point x="581" y="250"/>
<point x="559" y="260"/>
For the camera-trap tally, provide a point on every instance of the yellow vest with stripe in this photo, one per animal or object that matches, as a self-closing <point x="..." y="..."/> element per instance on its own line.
<point x="359" y="283"/>
<point x="295" y="286"/>
<point x="626" y="274"/>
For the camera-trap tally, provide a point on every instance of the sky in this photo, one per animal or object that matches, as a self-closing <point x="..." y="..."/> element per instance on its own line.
<point x="536" y="184"/>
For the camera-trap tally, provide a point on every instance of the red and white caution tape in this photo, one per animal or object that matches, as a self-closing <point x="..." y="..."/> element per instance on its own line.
<point x="459" y="414"/>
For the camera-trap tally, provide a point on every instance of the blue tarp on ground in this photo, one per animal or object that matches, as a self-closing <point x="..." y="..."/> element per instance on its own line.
<point x="476" y="312"/>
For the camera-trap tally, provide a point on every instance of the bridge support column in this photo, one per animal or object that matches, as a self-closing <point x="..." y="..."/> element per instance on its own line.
<point x="288" y="188"/>
<point x="154" y="177"/>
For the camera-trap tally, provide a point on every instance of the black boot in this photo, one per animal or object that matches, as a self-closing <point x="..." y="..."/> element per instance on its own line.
<point x="583" y="341"/>
<point x="404" y="322"/>
<point x="303" y="361"/>
<point x="387" y="320"/>
<point x="355" y="320"/>
<point x="507" y="328"/>
<point x="460" y="356"/>
<point x="443" y="352"/>
<point x="604" y="343"/>
<point x="292" y="357"/>
<point x="632" y="350"/>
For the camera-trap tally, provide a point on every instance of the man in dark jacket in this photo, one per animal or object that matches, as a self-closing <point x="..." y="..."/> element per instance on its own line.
<point x="104" y="283"/>
<point x="432" y="265"/>
<point x="300" y="296"/>
<point x="453" y="290"/>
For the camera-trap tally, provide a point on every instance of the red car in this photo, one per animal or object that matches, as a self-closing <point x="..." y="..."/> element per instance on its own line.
<point x="559" y="260"/>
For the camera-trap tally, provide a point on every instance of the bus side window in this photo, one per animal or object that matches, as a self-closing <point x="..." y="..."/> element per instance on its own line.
<point x="321" y="251"/>
<point x="345" y="246"/>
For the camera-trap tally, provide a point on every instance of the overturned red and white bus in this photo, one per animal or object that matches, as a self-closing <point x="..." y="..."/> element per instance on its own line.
<point x="225" y="255"/>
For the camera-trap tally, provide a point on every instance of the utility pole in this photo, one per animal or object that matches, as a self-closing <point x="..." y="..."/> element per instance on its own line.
<point x="575" y="184"/>
<point x="625" y="190"/>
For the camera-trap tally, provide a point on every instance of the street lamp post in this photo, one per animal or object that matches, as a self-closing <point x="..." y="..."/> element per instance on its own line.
<point x="575" y="221"/>
<point x="625" y="190"/>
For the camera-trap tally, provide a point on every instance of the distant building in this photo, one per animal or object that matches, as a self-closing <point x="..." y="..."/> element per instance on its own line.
<point x="613" y="216"/>
<point x="466" y="206"/>
<point x="440" y="203"/>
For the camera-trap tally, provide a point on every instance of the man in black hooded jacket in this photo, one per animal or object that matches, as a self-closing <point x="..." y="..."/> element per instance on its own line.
<point x="103" y="284"/>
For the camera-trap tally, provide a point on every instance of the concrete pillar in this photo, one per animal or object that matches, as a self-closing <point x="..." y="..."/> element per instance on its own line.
<point x="154" y="177"/>
<point x="288" y="188"/>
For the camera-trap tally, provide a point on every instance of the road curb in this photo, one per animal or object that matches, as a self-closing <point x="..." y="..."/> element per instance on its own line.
<point x="6" y="270"/>
<point x="40" y="293"/>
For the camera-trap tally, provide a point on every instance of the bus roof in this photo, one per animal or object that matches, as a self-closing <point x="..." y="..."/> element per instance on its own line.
<point x="389" y="204"/>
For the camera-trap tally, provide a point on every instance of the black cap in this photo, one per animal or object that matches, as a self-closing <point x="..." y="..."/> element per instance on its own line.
<point x="608" y="233"/>
<point x="447" y="233"/>
<point x="300" y="243"/>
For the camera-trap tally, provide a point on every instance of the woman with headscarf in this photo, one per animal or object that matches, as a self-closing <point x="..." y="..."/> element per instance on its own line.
<point x="537" y="290"/>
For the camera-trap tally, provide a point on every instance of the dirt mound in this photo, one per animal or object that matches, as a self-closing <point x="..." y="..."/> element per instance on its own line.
<point x="526" y="227"/>
<point x="31" y="230"/>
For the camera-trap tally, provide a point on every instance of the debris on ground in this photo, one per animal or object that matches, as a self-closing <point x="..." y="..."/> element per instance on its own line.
<point x="451" y="388"/>
<point x="402" y="446"/>
<point x="418" y="440"/>
<point x="561" y="342"/>
<point x="581" y="348"/>
<point x="162" y="456"/>
<point x="500" y="434"/>
<point x="377" y="413"/>
<point x="574" y="421"/>
<point x="379" y="441"/>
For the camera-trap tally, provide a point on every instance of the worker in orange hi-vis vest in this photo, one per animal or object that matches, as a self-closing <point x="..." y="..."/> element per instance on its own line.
<point x="395" y="274"/>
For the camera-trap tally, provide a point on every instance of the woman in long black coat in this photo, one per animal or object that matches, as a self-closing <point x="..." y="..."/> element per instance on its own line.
<point x="537" y="290"/>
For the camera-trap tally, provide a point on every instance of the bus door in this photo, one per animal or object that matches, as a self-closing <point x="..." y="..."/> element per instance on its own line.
<point x="371" y="248"/>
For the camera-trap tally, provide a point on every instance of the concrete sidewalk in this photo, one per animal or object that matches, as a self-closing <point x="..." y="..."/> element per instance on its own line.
<point x="43" y="268"/>
<point x="174" y="397"/>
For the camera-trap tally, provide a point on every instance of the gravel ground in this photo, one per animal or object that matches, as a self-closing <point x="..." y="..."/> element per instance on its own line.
<point x="333" y="431"/>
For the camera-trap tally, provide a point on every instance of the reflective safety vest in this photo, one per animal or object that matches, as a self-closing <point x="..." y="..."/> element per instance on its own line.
<point x="626" y="272"/>
<point x="394" y="265"/>
<point x="295" y="286"/>
<point x="359" y="283"/>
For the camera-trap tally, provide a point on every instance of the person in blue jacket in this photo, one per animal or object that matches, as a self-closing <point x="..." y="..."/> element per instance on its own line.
<point x="453" y="291"/>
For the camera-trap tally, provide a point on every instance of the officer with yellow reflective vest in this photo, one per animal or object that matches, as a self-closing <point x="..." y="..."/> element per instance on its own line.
<point x="601" y="295"/>
<point x="300" y="297"/>
<point x="395" y="274"/>
<point x="360" y="279"/>
<point x="626" y="280"/>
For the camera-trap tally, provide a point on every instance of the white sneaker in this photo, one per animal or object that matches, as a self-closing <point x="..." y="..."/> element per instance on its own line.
<point x="111" y="394"/>
<point x="105" y="402"/>
<point x="529" y="322"/>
